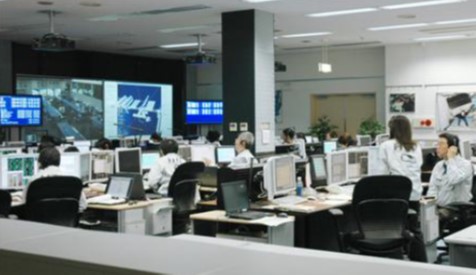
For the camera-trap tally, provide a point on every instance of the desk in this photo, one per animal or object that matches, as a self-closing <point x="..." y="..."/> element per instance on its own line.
<point x="463" y="247"/>
<point x="150" y="217"/>
<point x="271" y="230"/>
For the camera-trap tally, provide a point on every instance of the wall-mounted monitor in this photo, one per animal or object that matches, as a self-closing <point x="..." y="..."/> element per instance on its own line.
<point x="20" y="110"/>
<point x="204" y="112"/>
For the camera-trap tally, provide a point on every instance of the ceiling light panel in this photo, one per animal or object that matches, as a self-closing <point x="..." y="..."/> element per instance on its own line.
<point x="304" y="34"/>
<point x="396" y="27"/>
<point x="446" y="37"/>
<point x="180" y="45"/>
<point x="421" y="4"/>
<point x="342" y="12"/>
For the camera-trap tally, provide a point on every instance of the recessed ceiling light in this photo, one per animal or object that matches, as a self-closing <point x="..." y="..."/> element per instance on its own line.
<point x="460" y="21"/>
<point x="447" y="37"/>
<point x="304" y="34"/>
<point x="258" y="1"/>
<point x="341" y="12"/>
<point x="396" y="27"/>
<point x="180" y="45"/>
<point x="45" y="3"/>
<point x="421" y="4"/>
<point x="90" y="4"/>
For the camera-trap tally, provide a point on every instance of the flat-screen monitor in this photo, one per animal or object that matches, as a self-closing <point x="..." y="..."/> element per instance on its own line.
<point x="128" y="160"/>
<point x="185" y="151"/>
<point x="204" y="112"/>
<point x="225" y="154"/>
<point x="465" y="149"/>
<point x="279" y="175"/>
<point x="16" y="170"/>
<point x="318" y="170"/>
<point x="373" y="161"/>
<point x="337" y="167"/>
<point x="136" y="189"/>
<point x="235" y="196"/>
<point x="20" y="110"/>
<point x="76" y="164"/>
<point x="203" y="153"/>
<point x="119" y="186"/>
<point x="357" y="163"/>
<point x="82" y="145"/>
<point x="364" y="140"/>
<point x="285" y="149"/>
<point x="209" y="177"/>
<point x="101" y="165"/>
<point x="379" y="139"/>
<point x="330" y="146"/>
<point x="149" y="159"/>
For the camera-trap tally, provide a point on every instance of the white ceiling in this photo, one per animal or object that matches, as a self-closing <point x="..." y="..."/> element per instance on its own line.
<point x="20" y="21"/>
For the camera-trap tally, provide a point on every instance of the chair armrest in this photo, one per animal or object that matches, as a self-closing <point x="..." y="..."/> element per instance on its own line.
<point x="336" y="212"/>
<point x="411" y="212"/>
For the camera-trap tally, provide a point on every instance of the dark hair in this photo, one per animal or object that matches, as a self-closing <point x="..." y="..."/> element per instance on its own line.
<point x="401" y="130"/>
<point x="333" y="134"/>
<point x="71" y="149"/>
<point x="45" y="144"/>
<point x="156" y="137"/>
<point x="49" y="156"/>
<point x="213" y="136"/>
<point x="288" y="132"/>
<point x="451" y="139"/>
<point x="104" y="144"/>
<point x="346" y="140"/>
<point x="168" y="146"/>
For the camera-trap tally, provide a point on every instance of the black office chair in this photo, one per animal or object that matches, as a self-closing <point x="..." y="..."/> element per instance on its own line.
<point x="5" y="203"/>
<point x="380" y="206"/>
<point x="464" y="215"/>
<point x="182" y="189"/>
<point x="53" y="200"/>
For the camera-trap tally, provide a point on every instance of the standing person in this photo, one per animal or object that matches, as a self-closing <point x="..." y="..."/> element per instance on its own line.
<point x="288" y="135"/>
<point x="402" y="156"/>
<point x="158" y="178"/>
<point x="244" y="157"/>
<point x="451" y="179"/>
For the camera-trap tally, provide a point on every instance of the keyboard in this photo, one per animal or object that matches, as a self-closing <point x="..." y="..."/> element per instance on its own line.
<point x="106" y="199"/>
<point x="249" y="215"/>
<point x="289" y="200"/>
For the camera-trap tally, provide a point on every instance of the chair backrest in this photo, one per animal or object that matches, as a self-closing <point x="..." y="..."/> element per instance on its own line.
<point x="54" y="200"/>
<point x="473" y="190"/>
<point x="382" y="218"/>
<point x="5" y="203"/>
<point x="183" y="184"/>
<point x="382" y="187"/>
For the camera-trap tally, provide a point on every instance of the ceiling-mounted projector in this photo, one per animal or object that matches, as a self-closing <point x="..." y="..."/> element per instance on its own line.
<point x="200" y="58"/>
<point x="53" y="42"/>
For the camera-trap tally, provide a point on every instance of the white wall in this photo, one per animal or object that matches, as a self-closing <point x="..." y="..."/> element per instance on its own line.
<point x="428" y="69"/>
<point x="354" y="71"/>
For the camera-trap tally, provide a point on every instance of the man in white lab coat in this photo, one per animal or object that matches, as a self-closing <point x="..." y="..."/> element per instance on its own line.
<point x="244" y="157"/>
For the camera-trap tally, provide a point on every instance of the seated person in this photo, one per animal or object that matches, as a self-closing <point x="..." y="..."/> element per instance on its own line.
<point x="288" y="139"/>
<point x="160" y="174"/>
<point x="71" y="149"/>
<point x="213" y="137"/>
<point x="243" y="144"/>
<point x="103" y="144"/>
<point x="346" y="140"/>
<point x="49" y="162"/>
<point x="452" y="177"/>
<point x="332" y="135"/>
<point x="155" y="138"/>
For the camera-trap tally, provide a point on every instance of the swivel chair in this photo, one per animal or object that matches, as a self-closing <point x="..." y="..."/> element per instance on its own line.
<point x="182" y="189"/>
<point x="380" y="206"/>
<point x="53" y="200"/>
<point x="5" y="203"/>
<point x="464" y="215"/>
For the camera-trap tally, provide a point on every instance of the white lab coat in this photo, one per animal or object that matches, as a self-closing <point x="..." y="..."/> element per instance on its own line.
<point x="160" y="174"/>
<point x="243" y="160"/>
<point x="52" y="171"/>
<point x="454" y="185"/>
<point x="395" y="160"/>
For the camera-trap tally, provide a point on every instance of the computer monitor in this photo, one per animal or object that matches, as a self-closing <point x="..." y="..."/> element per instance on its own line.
<point x="185" y="151"/>
<point x="119" y="186"/>
<point x="308" y="139"/>
<point x="379" y="139"/>
<point x="465" y="149"/>
<point x="136" y="190"/>
<point x="128" y="160"/>
<point x="285" y="149"/>
<point x="279" y="175"/>
<point x="202" y="153"/>
<point x="20" y="110"/>
<point x="225" y="154"/>
<point x="82" y="145"/>
<point x="337" y="167"/>
<point x="235" y="196"/>
<point x="76" y="164"/>
<point x="373" y="161"/>
<point x="149" y="159"/>
<point x="363" y="140"/>
<point x="208" y="178"/>
<point x="101" y="165"/>
<point x="357" y="163"/>
<point x="16" y="170"/>
<point x="330" y="146"/>
<point x="318" y="170"/>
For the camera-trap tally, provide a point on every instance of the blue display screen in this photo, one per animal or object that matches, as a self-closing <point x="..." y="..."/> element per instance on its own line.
<point x="204" y="112"/>
<point x="16" y="110"/>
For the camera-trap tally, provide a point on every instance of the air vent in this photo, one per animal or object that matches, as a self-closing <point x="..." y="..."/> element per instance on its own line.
<point x="338" y="46"/>
<point x="456" y="29"/>
<point x="150" y="13"/>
